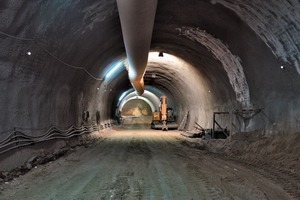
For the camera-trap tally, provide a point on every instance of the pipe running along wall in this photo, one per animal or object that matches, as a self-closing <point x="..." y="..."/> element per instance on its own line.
<point x="137" y="21"/>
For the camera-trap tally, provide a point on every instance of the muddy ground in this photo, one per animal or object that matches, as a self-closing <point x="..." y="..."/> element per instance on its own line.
<point x="148" y="164"/>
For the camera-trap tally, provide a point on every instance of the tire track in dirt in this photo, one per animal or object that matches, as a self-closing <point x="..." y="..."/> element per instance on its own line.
<point x="239" y="173"/>
<point x="189" y="176"/>
<point x="289" y="181"/>
<point x="146" y="164"/>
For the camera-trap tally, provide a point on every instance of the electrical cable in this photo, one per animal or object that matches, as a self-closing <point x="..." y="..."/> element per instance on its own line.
<point x="15" y="37"/>
<point x="18" y="139"/>
<point x="36" y="42"/>
<point x="69" y="65"/>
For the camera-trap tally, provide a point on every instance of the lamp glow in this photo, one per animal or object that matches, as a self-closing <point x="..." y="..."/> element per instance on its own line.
<point x="113" y="70"/>
<point x="122" y="96"/>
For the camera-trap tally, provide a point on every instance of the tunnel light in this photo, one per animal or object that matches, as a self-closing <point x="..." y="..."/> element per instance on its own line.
<point x="122" y="96"/>
<point x="28" y="53"/>
<point x="152" y="57"/>
<point x="114" y="70"/>
<point x="148" y="97"/>
<point x="282" y="67"/>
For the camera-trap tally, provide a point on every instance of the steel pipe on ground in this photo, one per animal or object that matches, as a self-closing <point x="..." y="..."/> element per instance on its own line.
<point x="137" y="21"/>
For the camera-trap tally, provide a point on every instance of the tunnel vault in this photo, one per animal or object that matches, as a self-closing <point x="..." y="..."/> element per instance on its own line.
<point x="219" y="55"/>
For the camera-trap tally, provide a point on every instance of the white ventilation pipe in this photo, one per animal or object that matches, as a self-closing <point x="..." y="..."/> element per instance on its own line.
<point x="137" y="21"/>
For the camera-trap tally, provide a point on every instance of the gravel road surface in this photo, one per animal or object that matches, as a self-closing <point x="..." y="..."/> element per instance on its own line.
<point x="142" y="164"/>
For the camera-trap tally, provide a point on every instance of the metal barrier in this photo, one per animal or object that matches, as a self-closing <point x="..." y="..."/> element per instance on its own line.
<point x="245" y="114"/>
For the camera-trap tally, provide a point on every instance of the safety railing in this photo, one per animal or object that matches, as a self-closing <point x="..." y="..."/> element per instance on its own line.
<point x="17" y="139"/>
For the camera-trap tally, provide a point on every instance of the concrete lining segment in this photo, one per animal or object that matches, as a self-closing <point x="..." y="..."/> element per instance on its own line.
<point x="188" y="88"/>
<point x="148" y="96"/>
<point x="230" y="62"/>
<point x="152" y="106"/>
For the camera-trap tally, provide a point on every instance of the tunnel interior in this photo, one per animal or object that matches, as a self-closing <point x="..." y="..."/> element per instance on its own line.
<point x="60" y="58"/>
<point x="136" y="111"/>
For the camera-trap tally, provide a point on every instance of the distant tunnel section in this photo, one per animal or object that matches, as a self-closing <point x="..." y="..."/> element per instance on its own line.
<point x="136" y="112"/>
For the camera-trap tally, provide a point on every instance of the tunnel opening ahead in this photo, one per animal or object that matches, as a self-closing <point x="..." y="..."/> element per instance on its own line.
<point x="135" y="113"/>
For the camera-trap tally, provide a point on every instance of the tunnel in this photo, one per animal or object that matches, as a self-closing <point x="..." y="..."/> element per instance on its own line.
<point x="64" y="69"/>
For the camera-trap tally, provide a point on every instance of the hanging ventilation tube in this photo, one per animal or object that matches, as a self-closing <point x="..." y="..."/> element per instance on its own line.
<point x="137" y="21"/>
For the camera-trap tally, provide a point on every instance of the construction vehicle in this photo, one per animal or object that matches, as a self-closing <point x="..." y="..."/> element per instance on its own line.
<point x="164" y="119"/>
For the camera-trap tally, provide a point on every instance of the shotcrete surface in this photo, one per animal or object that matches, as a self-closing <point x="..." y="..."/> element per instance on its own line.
<point x="143" y="164"/>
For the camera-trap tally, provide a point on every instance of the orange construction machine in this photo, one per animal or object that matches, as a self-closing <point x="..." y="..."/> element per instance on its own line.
<point x="164" y="119"/>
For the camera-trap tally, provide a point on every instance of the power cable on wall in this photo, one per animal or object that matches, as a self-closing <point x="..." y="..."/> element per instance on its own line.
<point x="17" y="139"/>
<point x="15" y="37"/>
<point x="36" y="42"/>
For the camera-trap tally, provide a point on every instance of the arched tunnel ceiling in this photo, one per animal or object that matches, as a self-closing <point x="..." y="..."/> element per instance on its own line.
<point x="236" y="48"/>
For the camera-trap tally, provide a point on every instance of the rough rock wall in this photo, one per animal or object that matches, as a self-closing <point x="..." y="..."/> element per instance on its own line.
<point x="230" y="62"/>
<point x="274" y="83"/>
<point x="68" y="51"/>
<point x="87" y="34"/>
<point x="29" y="99"/>
<point x="276" y="22"/>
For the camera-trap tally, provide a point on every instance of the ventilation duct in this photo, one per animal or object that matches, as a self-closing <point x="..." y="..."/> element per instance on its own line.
<point x="137" y="21"/>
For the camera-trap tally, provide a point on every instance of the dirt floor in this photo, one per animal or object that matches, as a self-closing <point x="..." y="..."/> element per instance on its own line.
<point x="148" y="164"/>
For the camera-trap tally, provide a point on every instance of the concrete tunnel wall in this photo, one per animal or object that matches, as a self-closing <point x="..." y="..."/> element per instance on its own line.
<point x="245" y="53"/>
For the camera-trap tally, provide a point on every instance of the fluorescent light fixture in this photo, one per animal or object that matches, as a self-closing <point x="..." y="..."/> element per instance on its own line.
<point x="113" y="70"/>
<point x="122" y="96"/>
